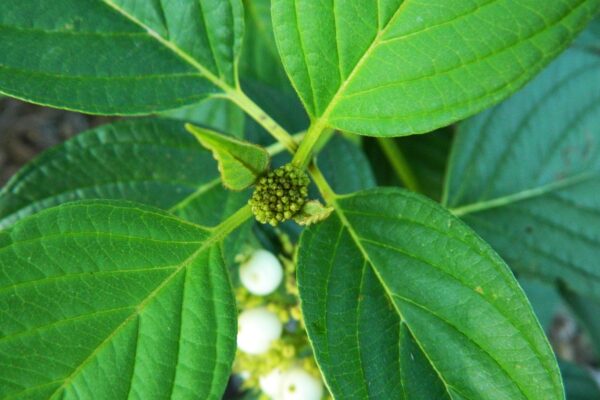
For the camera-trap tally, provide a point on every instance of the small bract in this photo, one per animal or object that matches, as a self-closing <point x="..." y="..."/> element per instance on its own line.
<point x="262" y="273"/>
<point x="301" y="385"/>
<point x="257" y="329"/>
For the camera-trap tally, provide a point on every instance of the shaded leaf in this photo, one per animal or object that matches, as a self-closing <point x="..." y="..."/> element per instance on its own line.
<point x="586" y="311"/>
<point x="345" y="166"/>
<point x="217" y="113"/>
<point x="152" y="161"/>
<point x="119" y="56"/>
<point x="579" y="384"/>
<point x="260" y="59"/>
<point x="240" y="162"/>
<point x="387" y="260"/>
<point x="526" y="175"/>
<point x="544" y="299"/>
<point x="394" y="67"/>
<point x="104" y="299"/>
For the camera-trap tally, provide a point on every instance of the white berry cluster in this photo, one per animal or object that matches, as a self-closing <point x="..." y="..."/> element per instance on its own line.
<point x="266" y="350"/>
<point x="294" y="383"/>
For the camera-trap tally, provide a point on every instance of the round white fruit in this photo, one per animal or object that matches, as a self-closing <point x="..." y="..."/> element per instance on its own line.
<point x="300" y="385"/>
<point x="257" y="328"/>
<point x="262" y="273"/>
<point x="272" y="383"/>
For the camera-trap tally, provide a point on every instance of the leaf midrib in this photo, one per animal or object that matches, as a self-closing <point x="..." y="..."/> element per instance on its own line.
<point x="356" y="240"/>
<point x="174" y="48"/>
<point x="215" y="237"/>
<point x="523" y="195"/>
<point x="321" y="121"/>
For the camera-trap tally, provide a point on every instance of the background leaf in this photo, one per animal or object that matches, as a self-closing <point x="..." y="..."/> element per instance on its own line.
<point x="218" y="113"/>
<point x="109" y="300"/>
<point x="579" y="385"/>
<point x="426" y="154"/>
<point x="345" y="166"/>
<point x="374" y="272"/>
<point x="119" y="56"/>
<point x="152" y="161"/>
<point x="526" y="175"/>
<point x="393" y="67"/>
<point x="260" y="60"/>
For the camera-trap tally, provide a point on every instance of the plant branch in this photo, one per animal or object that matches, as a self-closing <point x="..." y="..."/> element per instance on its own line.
<point x="322" y="184"/>
<point x="220" y="231"/>
<point x="278" y="147"/>
<point x="399" y="163"/>
<point x="304" y="153"/>
<point x="261" y="117"/>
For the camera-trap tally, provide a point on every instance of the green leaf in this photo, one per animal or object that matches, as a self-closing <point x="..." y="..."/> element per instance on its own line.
<point x="110" y="300"/>
<point x="526" y="175"/>
<point x="393" y="67"/>
<point x="390" y="267"/>
<point x="240" y="162"/>
<point x="119" y="56"/>
<point x="152" y="161"/>
<point x="579" y="384"/>
<point x="218" y="113"/>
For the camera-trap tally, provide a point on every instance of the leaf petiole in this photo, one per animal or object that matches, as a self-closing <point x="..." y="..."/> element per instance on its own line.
<point x="399" y="163"/>
<point x="238" y="97"/>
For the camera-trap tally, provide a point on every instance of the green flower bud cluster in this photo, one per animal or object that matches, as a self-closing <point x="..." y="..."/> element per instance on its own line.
<point x="279" y="195"/>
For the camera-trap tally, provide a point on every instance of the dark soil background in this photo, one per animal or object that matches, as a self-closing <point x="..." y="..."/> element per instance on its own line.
<point x="26" y="130"/>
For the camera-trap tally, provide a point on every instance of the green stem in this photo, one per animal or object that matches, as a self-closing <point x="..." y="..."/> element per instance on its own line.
<point x="326" y="190"/>
<point x="278" y="147"/>
<point x="304" y="153"/>
<point x="261" y="117"/>
<point x="221" y="231"/>
<point x="399" y="163"/>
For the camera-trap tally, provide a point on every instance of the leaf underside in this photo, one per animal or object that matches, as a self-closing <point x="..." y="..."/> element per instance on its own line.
<point x="526" y="174"/>
<point x="118" y="56"/>
<point x="152" y="161"/>
<point x="393" y="67"/>
<point x="402" y="300"/>
<point x="113" y="300"/>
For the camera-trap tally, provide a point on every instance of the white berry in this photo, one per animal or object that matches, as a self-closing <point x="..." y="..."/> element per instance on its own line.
<point x="257" y="328"/>
<point x="272" y="383"/>
<point x="300" y="385"/>
<point x="262" y="273"/>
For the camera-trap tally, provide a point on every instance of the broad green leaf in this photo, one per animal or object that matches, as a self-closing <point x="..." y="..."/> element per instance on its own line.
<point x="113" y="300"/>
<point x="579" y="383"/>
<point x="119" y="56"/>
<point x="392" y="284"/>
<point x="240" y="162"/>
<point x="526" y="175"/>
<point x="218" y="113"/>
<point x="394" y="67"/>
<point x="152" y="161"/>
